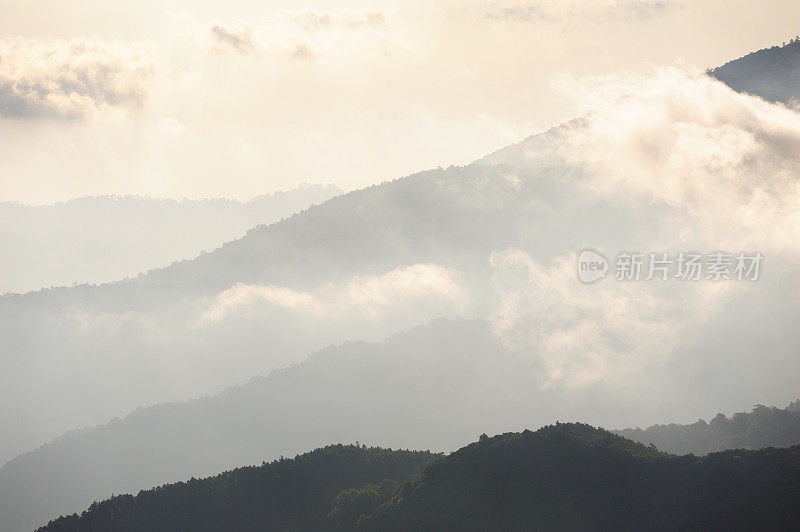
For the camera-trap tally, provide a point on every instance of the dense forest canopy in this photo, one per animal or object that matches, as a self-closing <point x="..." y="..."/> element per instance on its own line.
<point x="286" y="494"/>
<point x="576" y="477"/>
<point x="561" y="477"/>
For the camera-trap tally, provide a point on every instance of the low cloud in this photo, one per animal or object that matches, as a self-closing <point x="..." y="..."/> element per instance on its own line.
<point x="71" y="79"/>
<point x="370" y="297"/>
<point x="686" y="164"/>
<point x="612" y="333"/>
<point x="724" y="163"/>
<point x="715" y="169"/>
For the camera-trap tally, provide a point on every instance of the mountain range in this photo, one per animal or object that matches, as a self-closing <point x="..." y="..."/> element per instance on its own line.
<point x="101" y="239"/>
<point x="435" y="386"/>
<point x="763" y="427"/>
<point x="687" y="164"/>
<point x="561" y="477"/>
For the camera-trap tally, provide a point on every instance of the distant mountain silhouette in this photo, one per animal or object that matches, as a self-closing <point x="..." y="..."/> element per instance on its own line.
<point x="561" y="477"/>
<point x="763" y="427"/>
<point x="106" y="238"/>
<point x="772" y="73"/>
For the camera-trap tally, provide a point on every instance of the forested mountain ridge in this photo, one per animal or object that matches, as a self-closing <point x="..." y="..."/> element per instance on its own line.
<point x="561" y="477"/>
<point x="772" y="73"/>
<point x="763" y="427"/>
<point x="287" y="494"/>
<point x="575" y="477"/>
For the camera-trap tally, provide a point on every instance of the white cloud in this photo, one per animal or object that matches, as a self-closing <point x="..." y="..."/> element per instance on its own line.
<point x="688" y="164"/>
<point x="312" y="20"/>
<point x="168" y="131"/>
<point x="299" y="35"/>
<point x="75" y="78"/>
<point x="613" y="333"/>
<point x="722" y="166"/>
<point x="563" y="10"/>
<point x="362" y="297"/>
<point x="287" y="42"/>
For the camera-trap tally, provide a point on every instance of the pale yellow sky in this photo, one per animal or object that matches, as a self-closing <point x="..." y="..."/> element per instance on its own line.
<point x="239" y="98"/>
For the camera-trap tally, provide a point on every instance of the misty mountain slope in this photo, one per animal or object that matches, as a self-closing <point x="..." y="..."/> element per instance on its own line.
<point x="561" y="477"/>
<point x="289" y="494"/>
<point x="395" y="256"/>
<point x="101" y="239"/>
<point x="454" y="217"/>
<point x="772" y="73"/>
<point x="763" y="427"/>
<point x="407" y="389"/>
<point x="435" y="387"/>
<point x="456" y="214"/>
<point x="575" y="477"/>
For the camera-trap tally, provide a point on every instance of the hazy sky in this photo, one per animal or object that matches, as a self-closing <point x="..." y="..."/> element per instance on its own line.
<point x="238" y="98"/>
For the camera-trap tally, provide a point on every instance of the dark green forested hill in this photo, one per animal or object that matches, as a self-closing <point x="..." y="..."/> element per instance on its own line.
<point x="561" y="477"/>
<point x="763" y="427"/>
<point x="294" y="494"/>
<point x="575" y="477"/>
